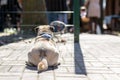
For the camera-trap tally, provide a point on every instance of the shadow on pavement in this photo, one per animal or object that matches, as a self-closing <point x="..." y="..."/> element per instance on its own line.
<point x="79" y="61"/>
<point x="34" y="68"/>
<point x="6" y="39"/>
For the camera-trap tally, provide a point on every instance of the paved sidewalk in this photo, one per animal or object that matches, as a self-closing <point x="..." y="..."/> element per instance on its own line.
<point x="97" y="57"/>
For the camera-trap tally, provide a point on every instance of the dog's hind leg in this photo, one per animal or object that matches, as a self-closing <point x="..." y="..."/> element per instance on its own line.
<point x="30" y="60"/>
<point x="33" y="57"/>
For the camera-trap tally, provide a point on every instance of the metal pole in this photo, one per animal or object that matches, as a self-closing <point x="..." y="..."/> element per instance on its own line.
<point x="101" y="7"/>
<point x="76" y="20"/>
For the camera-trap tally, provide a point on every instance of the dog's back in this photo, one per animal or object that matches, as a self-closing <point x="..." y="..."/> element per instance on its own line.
<point x="43" y="54"/>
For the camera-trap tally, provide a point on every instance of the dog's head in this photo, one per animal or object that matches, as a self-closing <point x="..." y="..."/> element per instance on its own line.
<point x="44" y="29"/>
<point x="42" y="65"/>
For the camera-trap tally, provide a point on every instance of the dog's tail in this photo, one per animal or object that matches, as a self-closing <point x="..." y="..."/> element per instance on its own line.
<point x="43" y="64"/>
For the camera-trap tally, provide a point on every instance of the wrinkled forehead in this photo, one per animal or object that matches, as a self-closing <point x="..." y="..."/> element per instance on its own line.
<point x="44" y="27"/>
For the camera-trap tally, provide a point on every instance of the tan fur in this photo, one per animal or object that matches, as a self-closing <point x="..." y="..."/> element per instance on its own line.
<point x="44" y="52"/>
<point x="44" y="28"/>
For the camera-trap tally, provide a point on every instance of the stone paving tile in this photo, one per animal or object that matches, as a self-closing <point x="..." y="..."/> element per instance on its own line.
<point x="70" y="75"/>
<point x="13" y="62"/>
<point x="114" y="59"/>
<point x="96" y="63"/>
<point x="95" y="77"/>
<point x="5" y="68"/>
<point x="70" y="78"/>
<point x="29" y="76"/>
<point x="99" y="71"/>
<point x="1" y="61"/>
<point x="111" y="77"/>
<point x="61" y="70"/>
<point x="103" y="59"/>
<point x="46" y="76"/>
<point x="9" y="78"/>
<point x="17" y="68"/>
<point x="5" y="52"/>
<point x="116" y="70"/>
<point x="9" y="74"/>
<point x="116" y="65"/>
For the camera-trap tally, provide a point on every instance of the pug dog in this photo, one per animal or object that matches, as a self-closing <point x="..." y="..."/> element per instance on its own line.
<point x="44" y="52"/>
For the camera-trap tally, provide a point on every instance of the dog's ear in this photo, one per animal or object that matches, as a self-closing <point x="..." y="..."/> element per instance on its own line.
<point x="52" y="28"/>
<point x="36" y="29"/>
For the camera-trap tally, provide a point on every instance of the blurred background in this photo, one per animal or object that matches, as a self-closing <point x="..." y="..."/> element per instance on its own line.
<point x="34" y="12"/>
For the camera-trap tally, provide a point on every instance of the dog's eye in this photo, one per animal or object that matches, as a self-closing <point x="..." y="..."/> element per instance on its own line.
<point x="52" y="28"/>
